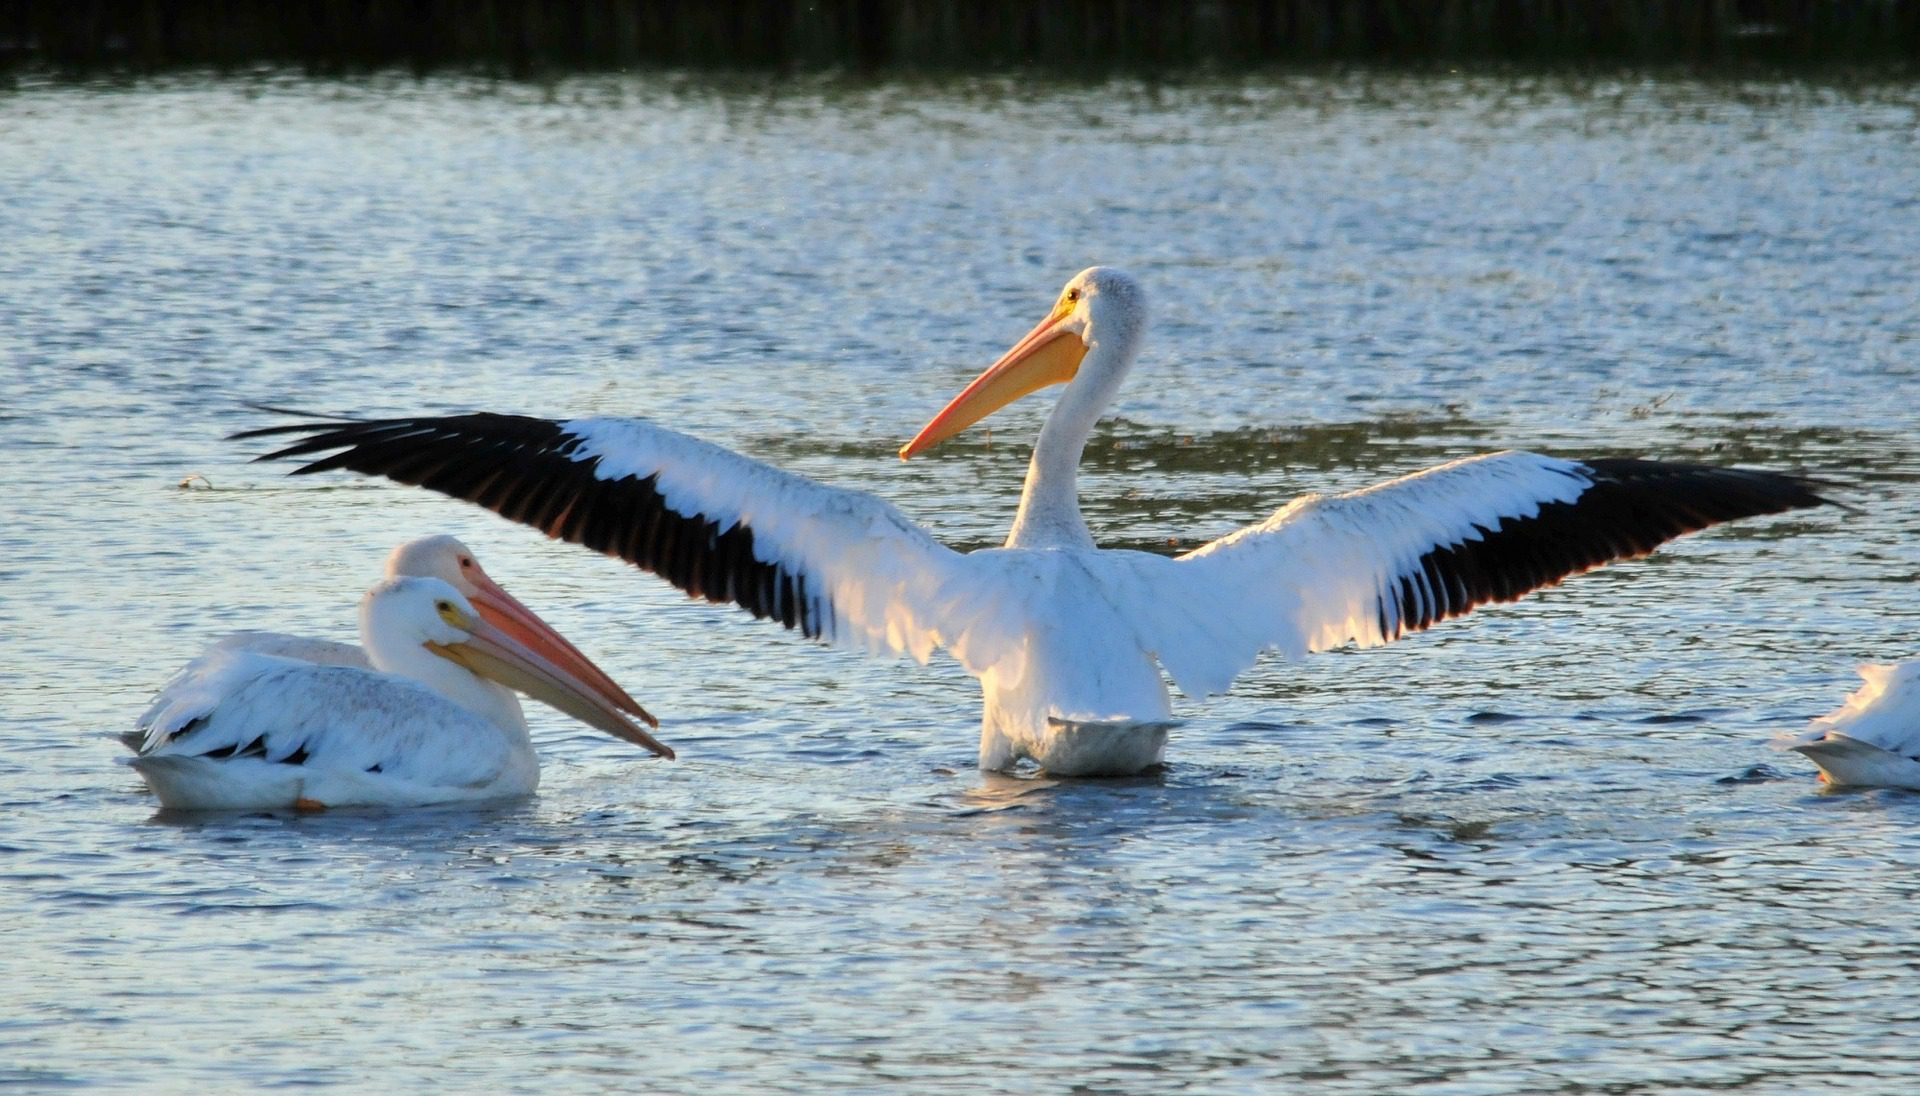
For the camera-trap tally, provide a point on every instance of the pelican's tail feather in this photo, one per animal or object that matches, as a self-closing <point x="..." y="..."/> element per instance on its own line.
<point x="1844" y="760"/>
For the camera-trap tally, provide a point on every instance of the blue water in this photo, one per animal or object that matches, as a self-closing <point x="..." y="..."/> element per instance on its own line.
<point x="1544" y="848"/>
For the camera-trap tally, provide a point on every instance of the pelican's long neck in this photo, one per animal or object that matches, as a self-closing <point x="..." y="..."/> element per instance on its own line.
<point x="1049" y="514"/>
<point x="409" y="659"/>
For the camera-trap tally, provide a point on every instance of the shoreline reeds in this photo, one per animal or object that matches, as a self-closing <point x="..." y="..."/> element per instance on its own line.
<point x="529" y="36"/>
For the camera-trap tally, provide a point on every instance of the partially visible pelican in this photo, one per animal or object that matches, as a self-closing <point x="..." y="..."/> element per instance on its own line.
<point x="1069" y="640"/>
<point x="1873" y="740"/>
<point x="446" y="558"/>
<point x="431" y="720"/>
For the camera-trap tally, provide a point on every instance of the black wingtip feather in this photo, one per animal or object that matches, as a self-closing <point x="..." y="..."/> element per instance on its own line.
<point x="525" y="469"/>
<point x="1629" y="508"/>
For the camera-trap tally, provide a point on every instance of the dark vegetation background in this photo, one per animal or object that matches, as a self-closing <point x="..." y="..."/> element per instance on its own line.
<point x="521" y="36"/>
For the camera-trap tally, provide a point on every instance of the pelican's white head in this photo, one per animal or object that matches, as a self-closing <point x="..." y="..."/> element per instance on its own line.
<point x="1110" y="303"/>
<point x="1089" y="339"/>
<point x="400" y="614"/>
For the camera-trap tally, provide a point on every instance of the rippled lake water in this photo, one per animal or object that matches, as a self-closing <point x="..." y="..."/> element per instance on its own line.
<point x="1544" y="848"/>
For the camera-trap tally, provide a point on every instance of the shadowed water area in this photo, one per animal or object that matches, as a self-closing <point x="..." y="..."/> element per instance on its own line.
<point x="1541" y="849"/>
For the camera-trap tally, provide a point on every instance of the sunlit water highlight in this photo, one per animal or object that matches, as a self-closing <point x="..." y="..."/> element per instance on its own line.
<point x="1541" y="849"/>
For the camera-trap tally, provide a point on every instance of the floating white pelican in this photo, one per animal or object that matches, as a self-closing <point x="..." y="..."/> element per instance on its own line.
<point x="1873" y="740"/>
<point x="1064" y="636"/>
<point x="427" y="721"/>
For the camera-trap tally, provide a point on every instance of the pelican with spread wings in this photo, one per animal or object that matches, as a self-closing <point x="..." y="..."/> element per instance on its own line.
<point x="1069" y="640"/>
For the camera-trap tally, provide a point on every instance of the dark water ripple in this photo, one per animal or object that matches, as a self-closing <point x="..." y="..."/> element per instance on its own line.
<point x="1541" y="850"/>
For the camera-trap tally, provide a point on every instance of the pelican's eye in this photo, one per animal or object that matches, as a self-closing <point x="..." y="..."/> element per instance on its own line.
<point x="1073" y="295"/>
<point x="449" y="614"/>
<point x="465" y="562"/>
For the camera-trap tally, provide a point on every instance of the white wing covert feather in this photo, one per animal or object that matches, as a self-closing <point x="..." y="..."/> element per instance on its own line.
<point x="1322" y="571"/>
<point x="239" y="703"/>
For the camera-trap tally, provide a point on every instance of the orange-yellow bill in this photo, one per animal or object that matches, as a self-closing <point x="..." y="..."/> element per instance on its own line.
<point x="493" y="652"/>
<point x="510" y="615"/>
<point x="1049" y="354"/>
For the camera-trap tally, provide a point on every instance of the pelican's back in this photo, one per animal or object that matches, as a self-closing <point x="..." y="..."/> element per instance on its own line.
<point x="241" y="730"/>
<point x="322" y="652"/>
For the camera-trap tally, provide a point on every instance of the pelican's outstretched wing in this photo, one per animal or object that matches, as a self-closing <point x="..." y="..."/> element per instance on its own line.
<point x="840" y="566"/>
<point x="1369" y="566"/>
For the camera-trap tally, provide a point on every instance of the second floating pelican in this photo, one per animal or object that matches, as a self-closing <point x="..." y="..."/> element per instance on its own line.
<point x="1067" y="639"/>
<point x="447" y="559"/>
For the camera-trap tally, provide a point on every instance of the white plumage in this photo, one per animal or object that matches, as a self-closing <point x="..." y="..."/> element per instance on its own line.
<point x="1068" y="640"/>
<point x="1873" y="740"/>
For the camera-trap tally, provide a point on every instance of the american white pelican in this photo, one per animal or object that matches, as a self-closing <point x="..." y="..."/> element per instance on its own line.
<point x="429" y="721"/>
<point x="1873" y="740"/>
<point x="1064" y="636"/>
